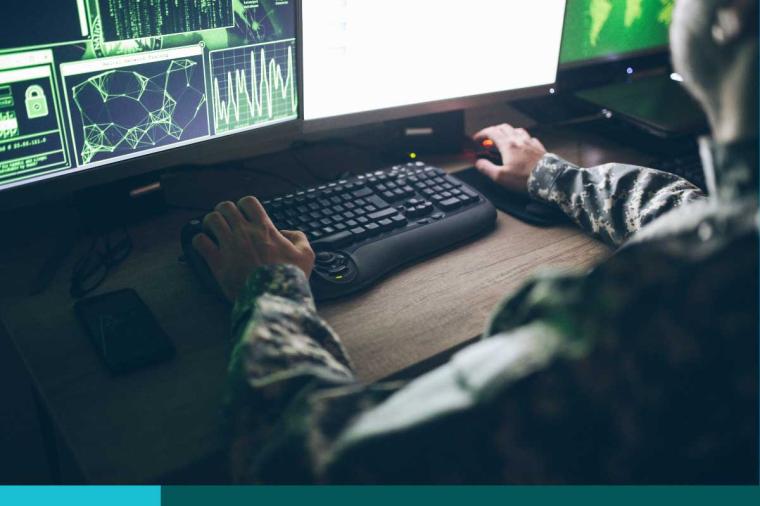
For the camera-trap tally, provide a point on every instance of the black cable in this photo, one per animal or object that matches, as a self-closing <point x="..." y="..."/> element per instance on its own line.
<point x="278" y="177"/>
<point x="103" y="255"/>
<point x="303" y="144"/>
<point x="236" y="167"/>
<point x="308" y="169"/>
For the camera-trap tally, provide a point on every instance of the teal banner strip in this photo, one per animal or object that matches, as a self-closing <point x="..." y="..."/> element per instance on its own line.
<point x="80" y="496"/>
<point x="461" y="496"/>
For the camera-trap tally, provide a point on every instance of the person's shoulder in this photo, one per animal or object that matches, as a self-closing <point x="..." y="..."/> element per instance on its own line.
<point x="687" y="262"/>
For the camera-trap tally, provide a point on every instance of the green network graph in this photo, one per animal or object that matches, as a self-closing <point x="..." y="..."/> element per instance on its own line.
<point x="134" y="111"/>
<point x="253" y="85"/>
<point x="598" y="28"/>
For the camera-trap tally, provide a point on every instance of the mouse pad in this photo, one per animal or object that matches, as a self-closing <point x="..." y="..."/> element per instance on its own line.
<point x="521" y="206"/>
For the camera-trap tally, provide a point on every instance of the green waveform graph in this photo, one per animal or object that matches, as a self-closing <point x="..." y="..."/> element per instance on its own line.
<point x="253" y="85"/>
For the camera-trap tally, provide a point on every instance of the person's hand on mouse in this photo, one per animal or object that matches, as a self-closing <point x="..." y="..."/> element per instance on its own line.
<point x="247" y="239"/>
<point x="520" y="154"/>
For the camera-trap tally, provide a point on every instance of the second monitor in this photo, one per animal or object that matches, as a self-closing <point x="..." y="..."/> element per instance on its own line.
<point x="371" y="61"/>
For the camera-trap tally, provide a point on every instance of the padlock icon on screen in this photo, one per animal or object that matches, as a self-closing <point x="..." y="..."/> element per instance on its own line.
<point x="36" y="102"/>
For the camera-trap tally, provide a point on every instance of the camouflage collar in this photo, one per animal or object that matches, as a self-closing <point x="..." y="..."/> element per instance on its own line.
<point x="731" y="170"/>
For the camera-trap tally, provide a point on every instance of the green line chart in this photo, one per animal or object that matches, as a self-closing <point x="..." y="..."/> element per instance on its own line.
<point x="253" y="85"/>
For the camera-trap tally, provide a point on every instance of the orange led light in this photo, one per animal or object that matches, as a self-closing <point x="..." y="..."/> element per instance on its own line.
<point x="488" y="143"/>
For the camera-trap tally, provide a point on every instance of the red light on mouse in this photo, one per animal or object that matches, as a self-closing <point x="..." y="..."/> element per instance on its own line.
<point x="488" y="143"/>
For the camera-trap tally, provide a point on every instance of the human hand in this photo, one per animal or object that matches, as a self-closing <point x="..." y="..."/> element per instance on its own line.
<point x="520" y="154"/>
<point x="246" y="239"/>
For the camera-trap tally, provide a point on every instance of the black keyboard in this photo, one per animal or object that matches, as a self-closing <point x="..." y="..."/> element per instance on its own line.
<point x="366" y="226"/>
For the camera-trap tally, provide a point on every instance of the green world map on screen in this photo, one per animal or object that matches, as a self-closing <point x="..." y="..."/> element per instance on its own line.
<point x="597" y="28"/>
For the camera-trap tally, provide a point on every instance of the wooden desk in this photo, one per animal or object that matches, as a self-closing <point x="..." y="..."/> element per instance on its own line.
<point x="155" y="423"/>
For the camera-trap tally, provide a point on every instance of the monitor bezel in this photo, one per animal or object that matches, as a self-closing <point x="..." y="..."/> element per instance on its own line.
<point x="613" y="58"/>
<point x="229" y="148"/>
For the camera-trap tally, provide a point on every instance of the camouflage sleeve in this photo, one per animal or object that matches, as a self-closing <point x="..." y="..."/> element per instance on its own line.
<point x="298" y="416"/>
<point x="612" y="201"/>
<point x="282" y="351"/>
<point x="574" y="384"/>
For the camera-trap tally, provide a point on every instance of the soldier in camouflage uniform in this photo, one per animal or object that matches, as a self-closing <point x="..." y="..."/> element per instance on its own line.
<point x="644" y="370"/>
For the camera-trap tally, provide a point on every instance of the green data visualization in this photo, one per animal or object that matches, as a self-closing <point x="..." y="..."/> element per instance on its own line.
<point x="600" y="28"/>
<point x="253" y="84"/>
<point x="93" y="82"/>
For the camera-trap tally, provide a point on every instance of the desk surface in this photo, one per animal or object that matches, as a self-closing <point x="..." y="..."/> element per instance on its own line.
<point x="145" y="426"/>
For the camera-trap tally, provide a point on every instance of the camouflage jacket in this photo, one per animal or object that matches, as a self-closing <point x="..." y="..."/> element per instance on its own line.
<point x="643" y="370"/>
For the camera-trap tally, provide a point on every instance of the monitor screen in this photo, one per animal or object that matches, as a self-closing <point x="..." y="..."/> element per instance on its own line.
<point x="603" y="29"/>
<point x="361" y="56"/>
<point x="88" y="83"/>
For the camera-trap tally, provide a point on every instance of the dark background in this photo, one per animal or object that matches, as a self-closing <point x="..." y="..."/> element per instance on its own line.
<point x="22" y="459"/>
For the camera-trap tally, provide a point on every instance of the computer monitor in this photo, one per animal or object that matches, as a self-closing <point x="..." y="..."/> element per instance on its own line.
<point x="369" y="61"/>
<point x="99" y="87"/>
<point x="611" y="30"/>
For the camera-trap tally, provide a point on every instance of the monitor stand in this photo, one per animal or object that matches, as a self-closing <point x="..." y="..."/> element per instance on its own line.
<point x="557" y="110"/>
<point x="105" y="208"/>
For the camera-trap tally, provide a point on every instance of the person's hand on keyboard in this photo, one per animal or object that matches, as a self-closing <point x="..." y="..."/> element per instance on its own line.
<point x="240" y="238"/>
<point x="520" y="154"/>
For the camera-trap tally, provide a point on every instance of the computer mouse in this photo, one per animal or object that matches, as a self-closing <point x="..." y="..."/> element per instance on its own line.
<point x="487" y="150"/>
<point x="194" y="259"/>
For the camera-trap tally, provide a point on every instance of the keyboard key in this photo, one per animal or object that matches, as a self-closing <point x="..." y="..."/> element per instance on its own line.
<point x="385" y="224"/>
<point x="335" y="240"/>
<point x="385" y="213"/>
<point x="372" y="228"/>
<point x="359" y="232"/>
<point x="365" y="192"/>
<point x="398" y="220"/>
<point x="377" y="202"/>
<point x="449" y="204"/>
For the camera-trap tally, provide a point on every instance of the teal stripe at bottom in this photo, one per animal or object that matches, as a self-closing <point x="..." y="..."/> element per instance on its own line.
<point x="459" y="496"/>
